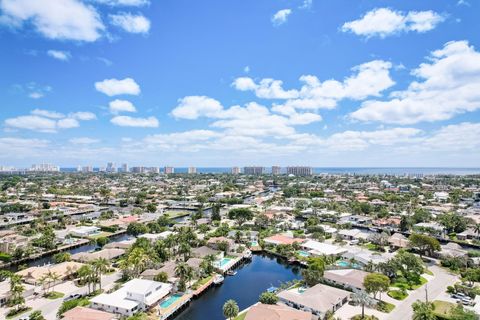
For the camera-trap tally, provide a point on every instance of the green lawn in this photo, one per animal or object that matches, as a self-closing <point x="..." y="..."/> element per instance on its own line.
<point x="397" y="294"/>
<point x="386" y="307"/>
<point x="201" y="282"/>
<point x="442" y="308"/>
<point x="405" y="285"/>
<point x="54" y="295"/>
<point x="418" y="285"/>
<point x="176" y="214"/>
<point x="10" y="316"/>
<point x="100" y="235"/>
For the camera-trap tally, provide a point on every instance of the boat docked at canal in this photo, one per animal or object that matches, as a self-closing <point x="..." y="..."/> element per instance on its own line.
<point x="218" y="279"/>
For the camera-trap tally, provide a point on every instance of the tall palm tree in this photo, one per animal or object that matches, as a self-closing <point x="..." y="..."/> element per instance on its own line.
<point x="85" y="274"/>
<point x="230" y="309"/>
<point x="16" y="291"/>
<point x="362" y="298"/>
<point x="54" y="277"/>
<point x="100" y="266"/>
<point x="423" y="311"/>
<point x="185" y="273"/>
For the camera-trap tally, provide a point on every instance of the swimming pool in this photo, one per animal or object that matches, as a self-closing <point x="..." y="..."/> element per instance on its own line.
<point x="253" y="243"/>
<point x="303" y="253"/>
<point x="224" y="262"/>
<point x="170" y="300"/>
<point x="346" y="264"/>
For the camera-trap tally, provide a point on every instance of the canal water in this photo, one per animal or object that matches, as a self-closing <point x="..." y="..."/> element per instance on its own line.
<point x="251" y="280"/>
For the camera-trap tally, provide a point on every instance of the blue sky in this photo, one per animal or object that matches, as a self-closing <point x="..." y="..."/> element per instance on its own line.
<point x="222" y="83"/>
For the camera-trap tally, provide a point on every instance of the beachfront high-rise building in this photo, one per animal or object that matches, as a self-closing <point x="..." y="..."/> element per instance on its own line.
<point x="235" y="170"/>
<point x="124" y="167"/>
<point x="300" y="171"/>
<point x="276" y="170"/>
<point x="169" y="170"/>
<point x="87" y="169"/>
<point x="154" y="170"/>
<point x="138" y="169"/>
<point x="111" y="167"/>
<point x="253" y="170"/>
<point x="45" y="167"/>
<point x="192" y="170"/>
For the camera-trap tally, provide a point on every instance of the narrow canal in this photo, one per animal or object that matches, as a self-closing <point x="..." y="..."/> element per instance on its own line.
<point x="251" y="280"/>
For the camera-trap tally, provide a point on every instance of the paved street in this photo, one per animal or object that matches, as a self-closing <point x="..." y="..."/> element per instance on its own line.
<point x="435" y="288"/>
<point x="49" y="307"/>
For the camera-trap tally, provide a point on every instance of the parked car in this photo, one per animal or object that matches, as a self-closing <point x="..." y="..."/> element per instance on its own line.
<point x="73" y="297"/>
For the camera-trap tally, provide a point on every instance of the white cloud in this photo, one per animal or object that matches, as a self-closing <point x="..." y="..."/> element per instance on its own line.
<point x="383" y="22"/>
<point x="368" y="79"/>
<point x="173" y="140"/>
<point x="47" y="121"/>
<point x="281" y="16"/>
<point x="83" y="115"/>
<point x="32" y="122"/>
<point x="125" y="3"/>
<point x="193" y="107"/>
<point x="47" y="114"/>
<point x="14" y="148"/>
<point x="59" y="55"/>
<point x="113" y="87"/>
<point x="126" y="121"/>
<point x="54" y="19"/>
<point x="33" y="90"/>
<point x="448" y="85"/>
<point x="83" y="140"/>
<point x="131" y="23"/>
<point x="68" y="123"/>
<point x="307" y="4"/>
<point x="267" y="88"/>
<point x="116" y="106"/>
<point x="246" y="69"/>
<point x="462" y="136"/>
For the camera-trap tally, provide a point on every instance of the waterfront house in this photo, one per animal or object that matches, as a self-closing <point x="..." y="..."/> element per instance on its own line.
<point x="108" y="254"/>
<point x="204" y="251"/>
<point x="65" y="269"/>
<point x="353" y="234"/>
<point x="282" y="239"/>
<point x="10" y="241"/>
<point x="136" y="295"/>
<point x="85" y="231"/>
<point x="322" y="249"/>
<point x="83" y="313"/>
<point x="317" y="300"/>
<point x="262" y="311"/>
<point x="347" y="278"/>
<point x="363" y="257"/>
<point x="214" y="243"/>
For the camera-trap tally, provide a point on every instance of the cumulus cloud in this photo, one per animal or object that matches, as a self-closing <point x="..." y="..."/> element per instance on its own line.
<point x="116" y="106"/>
<point x="47" y="121"/>
<point x="54" y="19"/>
<point x="83" y="115"/>
<point x="59" y="55"/>
<point x="193" y="107"/>
<point x="383" y="22"/>
<point x="368" y="79"/>
<point x="84" y="140"/>
<point x="126" y="121"/>
<point x="47" y="113"/>
<point x="13" y="147"/>
<point x="130" y="23"/>
<point x="447" y="85"/>
<point x="114" y="87"/>
<point x="281" y="16"/>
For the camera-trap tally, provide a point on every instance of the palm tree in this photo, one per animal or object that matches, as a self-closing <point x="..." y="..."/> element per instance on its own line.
<point x="16" y="291"/>
<point x="185" y="249"/>
<point x="100" y="266"/>
<point x="185" y="273"/>
<point x="423" y="311"/>
<point x="54" y="277"/>
<point x="230" y="309"/>
<point x="362" y="298"/>
<point x="85" y="274"/>
<point x="476" y="229"/>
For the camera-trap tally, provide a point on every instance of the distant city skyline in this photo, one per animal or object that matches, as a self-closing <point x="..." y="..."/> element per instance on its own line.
<point x="236" y="83"/>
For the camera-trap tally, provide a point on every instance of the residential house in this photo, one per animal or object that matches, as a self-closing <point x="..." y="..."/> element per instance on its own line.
<point x="262" y="311"/>
<point x="348" y="278"/>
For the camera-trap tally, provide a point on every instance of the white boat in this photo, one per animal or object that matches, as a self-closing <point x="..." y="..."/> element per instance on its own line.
<point x="248" y="254"/>
<point x="231" y="272"/>
<point x="218" y="279"/>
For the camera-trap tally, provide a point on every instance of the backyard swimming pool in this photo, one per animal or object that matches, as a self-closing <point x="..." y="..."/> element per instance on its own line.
<point x="346" y="264"/>
<point x="170" y="300"/>
<point x="224" y="262"/>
